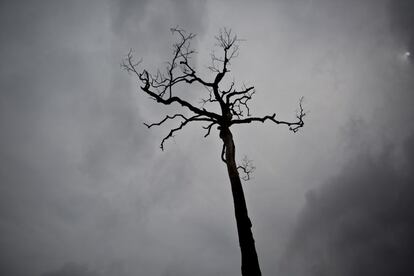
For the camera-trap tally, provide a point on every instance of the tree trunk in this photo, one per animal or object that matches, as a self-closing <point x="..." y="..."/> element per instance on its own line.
<point x="250" y="263"/>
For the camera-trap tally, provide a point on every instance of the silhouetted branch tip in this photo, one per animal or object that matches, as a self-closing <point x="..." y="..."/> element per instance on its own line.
<point x="247" y="168"/>
<point x="209" y="129"/>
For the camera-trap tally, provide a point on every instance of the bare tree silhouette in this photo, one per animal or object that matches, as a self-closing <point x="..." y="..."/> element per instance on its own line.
<point x="234" y="107"/>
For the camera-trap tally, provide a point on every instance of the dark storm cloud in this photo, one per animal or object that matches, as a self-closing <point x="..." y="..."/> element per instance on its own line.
<point x="402" y="21"/>
<point x="360" y="222"/>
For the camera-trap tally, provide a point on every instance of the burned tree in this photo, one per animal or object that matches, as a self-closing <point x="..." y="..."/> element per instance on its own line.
<point x="234" y="109"/>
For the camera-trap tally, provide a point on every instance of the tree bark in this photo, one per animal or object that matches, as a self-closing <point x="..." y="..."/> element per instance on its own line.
<point x="250" y="263"/>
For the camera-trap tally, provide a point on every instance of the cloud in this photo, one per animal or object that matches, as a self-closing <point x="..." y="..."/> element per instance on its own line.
<point x="72" y="269"/>
<point x="115" y="268"/>
<point x="402" y="21"/>
<point x="83" y="182"/>
<point x="76" y="164"/>
<point x="360" y="222"/>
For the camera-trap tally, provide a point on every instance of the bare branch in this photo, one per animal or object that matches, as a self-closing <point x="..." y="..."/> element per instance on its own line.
<point x="160" y="83"/>
<point x="237" y="101"/>
<point x="247" y="168"/>
<point x="129" y="65"/>
<point x="165" y="119"/>
<point x="236" y="93"/>
<point x="211" y="98"/>
<point x="209" y="129"/>
<point x="180" y="101"/>
<point x="182" y="124"/>
<point x="228" y="42"/>
<point x="223" y="93"/>
<point x="293" y="126"/>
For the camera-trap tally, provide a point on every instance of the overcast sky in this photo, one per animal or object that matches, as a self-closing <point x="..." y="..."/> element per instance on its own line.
<point x="85" y="189"/>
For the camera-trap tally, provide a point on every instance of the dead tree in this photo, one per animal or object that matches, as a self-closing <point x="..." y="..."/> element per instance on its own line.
<point x="234" y="109"/>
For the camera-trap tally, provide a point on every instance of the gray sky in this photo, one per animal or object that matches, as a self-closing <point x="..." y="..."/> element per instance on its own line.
<point x="85" y="190"/>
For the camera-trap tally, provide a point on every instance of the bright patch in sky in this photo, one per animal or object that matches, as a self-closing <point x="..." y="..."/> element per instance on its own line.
<point x="404" y="56"/>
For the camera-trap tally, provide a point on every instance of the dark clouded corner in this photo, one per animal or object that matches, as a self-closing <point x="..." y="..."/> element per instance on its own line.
<point x="85" y="190"/>
<point x="402" y="21"/>
<point x="360" y="222"/>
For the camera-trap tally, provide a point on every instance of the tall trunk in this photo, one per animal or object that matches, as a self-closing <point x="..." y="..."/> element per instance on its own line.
<point x="250" y="263"/>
